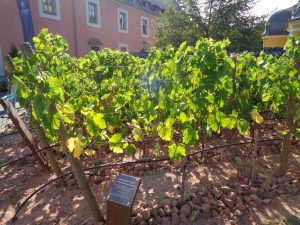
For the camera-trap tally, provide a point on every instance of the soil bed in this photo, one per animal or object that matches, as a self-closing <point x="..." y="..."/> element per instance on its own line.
<point x="217" y="191"/>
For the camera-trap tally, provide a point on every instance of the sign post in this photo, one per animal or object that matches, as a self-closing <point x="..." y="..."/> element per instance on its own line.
<point x="120" y="199"/>
<point x="26" y="20"/>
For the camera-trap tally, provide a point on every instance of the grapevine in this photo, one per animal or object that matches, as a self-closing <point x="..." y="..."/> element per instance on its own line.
<point x="190" y="92"/>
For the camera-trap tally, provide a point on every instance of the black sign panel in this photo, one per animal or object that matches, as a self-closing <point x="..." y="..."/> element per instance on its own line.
<point x="124" y="189"/>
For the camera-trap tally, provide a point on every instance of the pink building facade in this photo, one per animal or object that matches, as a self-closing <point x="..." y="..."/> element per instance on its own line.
<point x="86" y="24"/>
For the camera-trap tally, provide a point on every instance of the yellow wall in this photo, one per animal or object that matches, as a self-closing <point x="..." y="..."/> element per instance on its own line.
<point x="274" y="41"/>
<point x="279" y="41"/>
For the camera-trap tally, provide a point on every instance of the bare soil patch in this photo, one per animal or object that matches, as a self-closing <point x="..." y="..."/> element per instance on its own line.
<point x="217" y="190"/>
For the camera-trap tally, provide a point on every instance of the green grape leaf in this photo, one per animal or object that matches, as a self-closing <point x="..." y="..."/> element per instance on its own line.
<point x="225" y="122"/>
<point x="243" y="126"/>
<point x="297" y="133"/>
<point x="55" y="123"/>
<point x="22" y="92"/>
<point x="192" y="105"/>
<point x="131" y="149"/>
<point x="137" y="133"/>
<point x="220" y="116"/>
<point x="231" y="123"/>
<point x="169" y="122"/>
<point x="165" y="133"/>
<point x="20" y="88"/>
<point x="36" y="40"/>
<point x="115" y="139"/>
<point x="183" y="118"/>
<point x="40" y="105"/>
<point x="212" y="122"/>
<point x="115" y="143"/>
<point x="95" y="123"/>
<point x="99" y="121"/>
<point x="190" y="136"/>
<point x="266" y="97"/>
<point x="117" y="149"/>
<point x="176" y="151"/>
<point x="69" y="113"/>
<point x="54" y="88"/>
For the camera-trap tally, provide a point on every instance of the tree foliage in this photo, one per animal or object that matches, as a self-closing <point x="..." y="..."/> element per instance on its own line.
<point x="174" y="26"/>
<point x="217" y="19"/>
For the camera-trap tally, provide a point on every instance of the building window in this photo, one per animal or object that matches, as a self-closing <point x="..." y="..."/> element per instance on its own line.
<point x="122" y="20"/>
<point x="49" y="9"/>
<point x="123" y="47"/>
<point x="93" y="13"/>
<point x="145" y="26"/>
<point x="92" y="8"/>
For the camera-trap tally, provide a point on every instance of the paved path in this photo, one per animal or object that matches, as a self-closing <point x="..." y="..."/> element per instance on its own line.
<point x="4" y="120"/>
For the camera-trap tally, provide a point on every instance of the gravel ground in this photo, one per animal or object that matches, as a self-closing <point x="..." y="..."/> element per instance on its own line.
<point x="4" y="120"/>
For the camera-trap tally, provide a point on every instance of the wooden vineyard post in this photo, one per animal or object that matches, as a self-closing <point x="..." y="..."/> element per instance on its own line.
<point x="63" y="137"/>
<point x="120" y="200"/>
<point x="286" y="144"/>
<point x="253" y="159"/>
<point x="290" y="121"/>
<point x="25" y="133"/>
<point x="184" y="192"/>
<point x="78" y="171"/>
<point x="42" y="138"/>
<point x="44" y="143"/>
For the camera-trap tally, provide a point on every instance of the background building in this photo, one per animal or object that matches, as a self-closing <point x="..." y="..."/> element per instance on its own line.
<point x="86" y="24"/>
<point x="294" y="23"/>
<point x="279" y="26"/>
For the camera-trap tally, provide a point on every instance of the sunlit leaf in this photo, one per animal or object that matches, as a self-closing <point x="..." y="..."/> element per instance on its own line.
<point x="176" y="151"/>
<point x="183" y="118"/>
<point x="75" y="145"/>
<point x="256" y="117"/>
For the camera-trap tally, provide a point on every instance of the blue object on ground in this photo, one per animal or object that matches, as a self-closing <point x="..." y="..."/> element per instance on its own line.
<point x="12" y="98"/>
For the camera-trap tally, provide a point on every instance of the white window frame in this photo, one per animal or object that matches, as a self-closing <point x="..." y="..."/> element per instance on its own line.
<point x="50" y="16"/>
<point x="144" y="18"/>
<point x="122" y="45"/>
<point x="126" y="13"/>
<point x="96" y="2"/>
